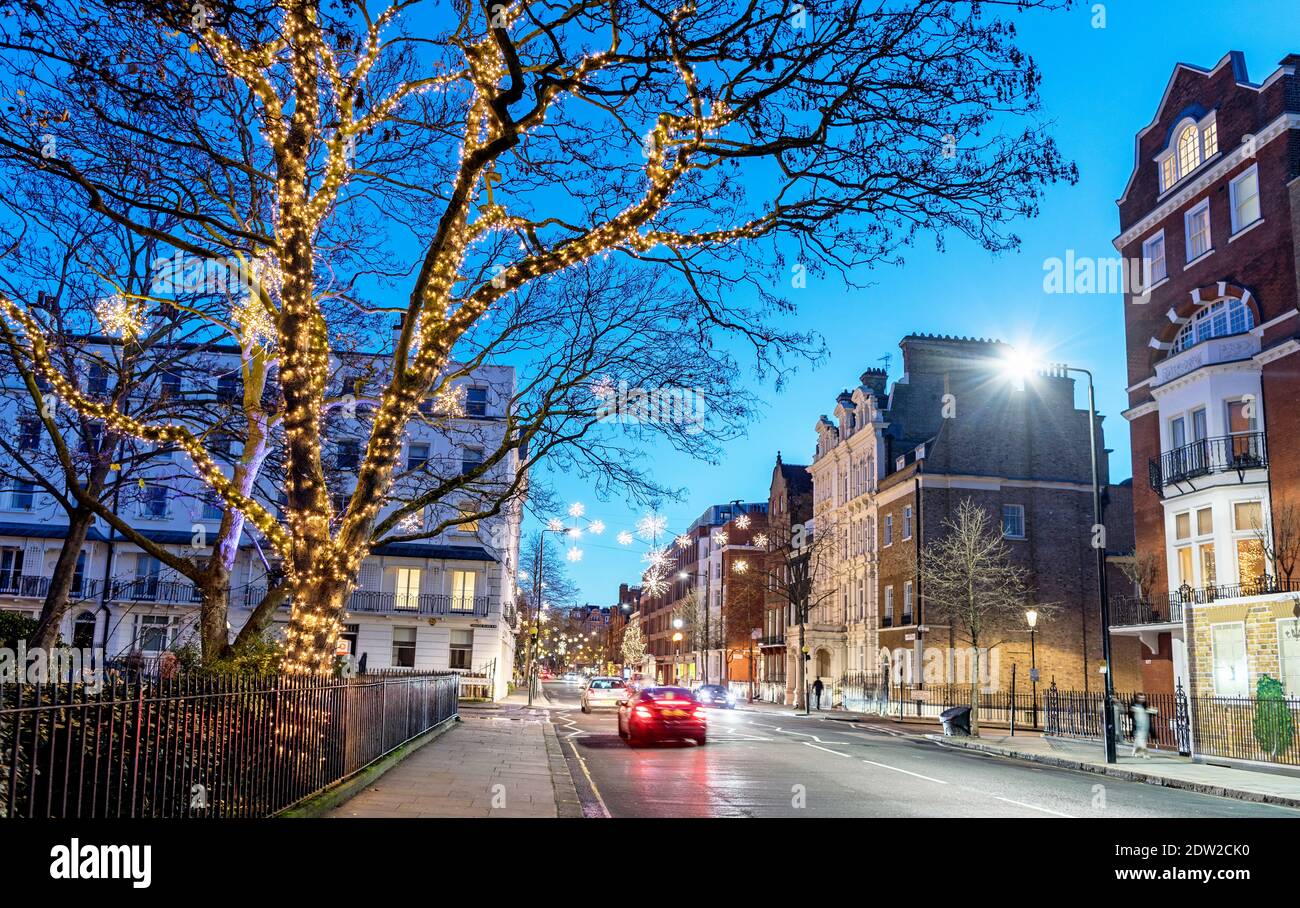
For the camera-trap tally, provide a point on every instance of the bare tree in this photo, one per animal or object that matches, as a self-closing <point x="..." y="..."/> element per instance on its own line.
<point x="970" y="581"/>
<point x="1144" y="570"/>
<point x="1279" y="538"/>
<point x="497" y="146"/>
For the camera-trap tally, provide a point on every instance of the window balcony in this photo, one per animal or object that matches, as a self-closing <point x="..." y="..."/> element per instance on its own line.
<point x="1224" y="349"/>
<point x="1167" y="608"/>
<point x="375" y="603"/>
<point x="1223" y="454"/>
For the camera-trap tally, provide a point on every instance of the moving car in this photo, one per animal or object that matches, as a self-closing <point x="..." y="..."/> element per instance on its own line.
<point x="660" y="714"/>
<point x="715" y="695"/>
<point x="602" y="692"/>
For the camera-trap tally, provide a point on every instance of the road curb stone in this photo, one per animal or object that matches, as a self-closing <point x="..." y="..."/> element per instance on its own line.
<point x="567" y="804"/>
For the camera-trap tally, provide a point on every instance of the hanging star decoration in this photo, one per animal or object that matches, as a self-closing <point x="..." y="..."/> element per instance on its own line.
<point x="625" y="538"/>
<point x="121" y="317"/>
<point x="742" y="522"/>
<point x="651" y="526"/>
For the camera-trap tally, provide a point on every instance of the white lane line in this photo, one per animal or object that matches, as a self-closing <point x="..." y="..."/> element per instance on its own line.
<point x="819" y="747"/>
<point x="814" y="737"/>
<point x="906" y="772"/>
<point x="1055" y="813"/>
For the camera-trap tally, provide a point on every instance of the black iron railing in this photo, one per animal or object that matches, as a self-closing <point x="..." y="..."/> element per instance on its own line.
<point x="1080" y="714"/>
<point x="1222" y="454"/>
<point x="1168" y="607"/>
<point x="376" y="603"/>
<point x="187" y="747"/>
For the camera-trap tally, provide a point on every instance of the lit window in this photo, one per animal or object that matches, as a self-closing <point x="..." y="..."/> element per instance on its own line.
<point x="1189" y="150"/>
<point x="1247" y="516"/>
<point x="1210" y="140"/>
<point x="1230" y="316"/>
<point x="1153" y="260"/>
<point x="1197" y="223"/>
<point x="1244" y="191"/>
<point x="1168" y="175"/>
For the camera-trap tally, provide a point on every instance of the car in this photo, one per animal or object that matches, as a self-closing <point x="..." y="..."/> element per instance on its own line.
<point x="603" y="692"/>
<point x="715" y="695"/>
<point x="661" y="714"/>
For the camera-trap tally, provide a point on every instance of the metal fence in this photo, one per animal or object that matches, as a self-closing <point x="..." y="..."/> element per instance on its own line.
<point x="189" y="747"/>
<point x="1076" y="714"/>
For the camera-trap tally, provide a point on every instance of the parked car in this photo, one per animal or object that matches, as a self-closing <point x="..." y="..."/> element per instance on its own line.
<point x="660" y="714"/>
<point x="715" y="695"/>
<point x="602" y="692"/>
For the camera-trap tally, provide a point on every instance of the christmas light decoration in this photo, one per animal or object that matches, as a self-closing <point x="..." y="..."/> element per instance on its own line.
<point x="625" y="538"/>
<point x="121" y="317"/>
<point x="651" y="526"/>
<point x="742" y="522"/>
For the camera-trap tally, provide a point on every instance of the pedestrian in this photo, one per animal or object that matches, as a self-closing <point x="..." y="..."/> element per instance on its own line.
<point x="1142" y="714"/>
<point x="817" y="692"/>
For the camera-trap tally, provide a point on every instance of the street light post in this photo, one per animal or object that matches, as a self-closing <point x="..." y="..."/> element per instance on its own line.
<point x="1031" y="616"/>
<point x="1099" y="545"/>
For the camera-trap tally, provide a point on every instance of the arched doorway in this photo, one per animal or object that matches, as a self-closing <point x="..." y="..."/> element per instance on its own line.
<point x="823" y="663"/>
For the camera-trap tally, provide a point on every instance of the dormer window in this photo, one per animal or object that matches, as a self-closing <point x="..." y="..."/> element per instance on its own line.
<point x="1194" y="143"/>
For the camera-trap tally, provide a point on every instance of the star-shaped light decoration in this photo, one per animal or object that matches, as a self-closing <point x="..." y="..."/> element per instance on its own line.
<point x="597" y="527"/>
<point x="742" y="522"/>
<point x="683" y="541"/>
<point x="741" y="566"/>
<point x="654" y="582"/>
<point x="574" y="554"/>
<point x="624" y="538"/>
<point x="656" y="558"/>
<point x="555" y="525"/>
<point x="760" y="540"/>
<point x="577" y="509"/>
<point x="719" y="538"/>
<point x="121" y="317"/>
<point x="651" y="526"/>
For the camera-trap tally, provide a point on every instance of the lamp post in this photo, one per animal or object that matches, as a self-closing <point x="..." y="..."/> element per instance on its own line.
<point x="677" y="656"/>
<point x="1026" y="367"/>
<point x="1031" y="617"/>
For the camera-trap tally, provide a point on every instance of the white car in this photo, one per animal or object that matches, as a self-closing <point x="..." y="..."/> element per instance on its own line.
<point x="603" y="692"/>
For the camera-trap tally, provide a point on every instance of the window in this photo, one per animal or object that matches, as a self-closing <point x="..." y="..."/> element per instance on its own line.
<point x="1189" y="150"/>
<point x="408" y="589"/>
<point x="1197" y="224"/>
<point x="83" y="631"/>
<point x="476" y="401"/>
<point x="11" y="568"/>
<point x="470" y="460"/>
<point x="213" y="507"/>
<point x="1013" y="521"/>
<point x="1209" y="140"/>
<point x="889" y="529"/>
<point x="907" y="521"/>
<point x="1288" y="655"/>
<point x="417" y="455"/>
<point x="90" y="442"/>
<point x="1153" y="260"/>
<point x="147" y="571"/>
<point x="466" y="510"/>
<point x="153" y="503"/>
<point x="1247" y="524"/>
<point x="907" y="602"/>
<point x="1168" y="172"/>
<point x="462" y="649"/>
<point x="349" y="639"/>
<point x="229" y="388"/>
<point x="1177" y="433"/>
<point x="97" y="379"/>
<point x="79" y="575"/>
<point x="349" y="455"/>
<point x="889" y="607"/>
<point x="404" y="647"/>
<point x="152" y="633"/>
<point x="1244" y="193"/>
<point x="1228" y="316"/>
<point x="29" y="433"/>
<point x="462" y="591"/>
<point x="1228" y="643"/>
<point x="23" y="495"/>
<point x="170" y="384"/>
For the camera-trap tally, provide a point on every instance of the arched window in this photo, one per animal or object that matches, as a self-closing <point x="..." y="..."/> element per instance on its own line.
<point x="1227" y="316"/>
<point x="1189" y="150"/>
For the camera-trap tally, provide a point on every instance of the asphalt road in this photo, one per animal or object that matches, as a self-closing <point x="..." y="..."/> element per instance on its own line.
<point x="760" y="764"/>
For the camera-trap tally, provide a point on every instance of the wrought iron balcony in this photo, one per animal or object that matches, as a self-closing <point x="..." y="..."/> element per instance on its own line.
<point x="1166" y="608"/>
<point x="1222" y="454"/>
<point x="375" y="603"/>
<point x="152" y="589"/>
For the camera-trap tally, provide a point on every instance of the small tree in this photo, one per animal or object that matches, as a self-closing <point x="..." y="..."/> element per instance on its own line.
<point x="1144" y="571"/>
<point x="968" y="579"/>
<point x="1274" y="725"/>
<point x="633" y="645"/>
<point x="1281" y="547"/>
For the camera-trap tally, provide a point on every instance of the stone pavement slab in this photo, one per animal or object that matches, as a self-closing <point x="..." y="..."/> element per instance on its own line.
<point x="495" y="763"/>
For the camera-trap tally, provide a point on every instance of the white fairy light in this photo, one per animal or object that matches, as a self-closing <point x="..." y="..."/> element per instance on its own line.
<point x="121" y="317"/>
<point x="650" y="526"/>
<point x="597" y="527"/>
<point x="654" y="582"/>
<point x="760" y="540"/>
<point x="719" y="538"/>
<point x="577" y="509"/>
<point x="656" y="558"/>
<point x="683" y="541"/>
<point x="741" y="566"/>
<point x="574" y="554"/>
<point x="625" y="538"/>
<point x="742" y="522"/>
<point x="555" y="525"/>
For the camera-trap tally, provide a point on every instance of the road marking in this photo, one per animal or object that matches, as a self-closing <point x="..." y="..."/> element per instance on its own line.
<point x="1055" y="813"/>
<point x="905" y="772"/>
<point x="819" y="747"/>
<point x="600" y="801"/>
<point x="814" y="737"/>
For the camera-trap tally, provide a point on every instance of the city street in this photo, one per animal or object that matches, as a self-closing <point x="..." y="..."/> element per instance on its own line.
<point x="760" y="763"/>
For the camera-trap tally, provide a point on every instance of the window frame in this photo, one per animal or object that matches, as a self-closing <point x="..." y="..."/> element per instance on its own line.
<point x="1149" y="278"/>
<point x="1024" y="529"/>
<point x="1237" y="225"/>
<point x="1200" y="208"/>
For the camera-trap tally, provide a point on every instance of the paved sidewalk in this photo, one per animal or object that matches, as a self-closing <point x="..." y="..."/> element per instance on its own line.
<point x="498" y="761"/>
<point x="1169" y="770"/>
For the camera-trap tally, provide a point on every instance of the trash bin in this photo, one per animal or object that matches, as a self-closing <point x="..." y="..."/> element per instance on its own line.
<point x="956" y="721"/>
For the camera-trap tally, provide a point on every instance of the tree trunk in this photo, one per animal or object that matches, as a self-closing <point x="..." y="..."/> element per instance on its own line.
<point x="58" y="597"/>
<point x="801" y="691"/>
<point x="214" y="611"/>
<point x="975" y="686"/>
<point x="260" y="619"/>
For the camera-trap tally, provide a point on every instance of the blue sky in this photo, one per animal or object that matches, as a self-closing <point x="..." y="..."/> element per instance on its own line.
<point x="1100" y="86"/>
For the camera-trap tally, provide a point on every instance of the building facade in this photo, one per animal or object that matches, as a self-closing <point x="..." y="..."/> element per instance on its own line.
<point x="443" y="603"/>
<point x="1209" y="222"/>
<point x="890" y="470"/>
<point x="789" y="505"/>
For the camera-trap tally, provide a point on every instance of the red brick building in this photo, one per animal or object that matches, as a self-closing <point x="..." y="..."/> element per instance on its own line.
<point x="1209" y="220"/>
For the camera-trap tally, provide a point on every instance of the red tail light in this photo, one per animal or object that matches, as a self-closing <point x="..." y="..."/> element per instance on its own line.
<point x="644" y="712"/>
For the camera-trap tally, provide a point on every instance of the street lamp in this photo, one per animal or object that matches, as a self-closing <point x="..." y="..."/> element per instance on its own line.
<point x="1025" y="367"/>
<point x="1031" y="618"/>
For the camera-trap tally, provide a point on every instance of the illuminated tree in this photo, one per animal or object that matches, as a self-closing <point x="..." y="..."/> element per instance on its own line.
<point x="439" y="166"/>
